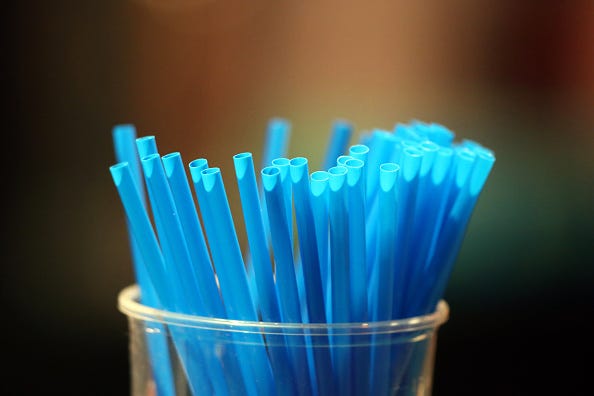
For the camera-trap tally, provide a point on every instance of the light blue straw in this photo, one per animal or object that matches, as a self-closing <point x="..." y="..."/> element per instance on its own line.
<point x="190" y="300"/>
<point x="381" y="291"/>
<point x="146" y="145"/>
<point x="124" y="141"/>
<point x="228" y="262"/>
<point x="340" y="272"/>
<point x="192" y="231"/>
<point x="285" y="266"/>
<point x="319" y="208"/>
<point x="144" y="236"/>
<point x="338" y="143"/>
<point x="248" y="191"/>
<point x="308" y="242"/>
<point x="358" y="266"/>
<point x="267" y="296"/>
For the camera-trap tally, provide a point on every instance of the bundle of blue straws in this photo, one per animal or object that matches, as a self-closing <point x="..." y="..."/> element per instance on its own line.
<point x="372" y="236"/>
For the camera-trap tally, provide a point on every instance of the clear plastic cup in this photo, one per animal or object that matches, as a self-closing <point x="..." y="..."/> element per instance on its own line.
<point x="209" y="356"/>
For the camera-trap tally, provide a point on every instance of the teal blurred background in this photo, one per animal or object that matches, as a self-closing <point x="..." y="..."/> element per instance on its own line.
<point x="204" y="77"/>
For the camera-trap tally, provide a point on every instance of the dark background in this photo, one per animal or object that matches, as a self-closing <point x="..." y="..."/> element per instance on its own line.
<point x="205" y="76"/>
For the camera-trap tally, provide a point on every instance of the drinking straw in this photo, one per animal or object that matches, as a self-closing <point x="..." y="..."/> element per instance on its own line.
<point x="381" y="146"/>
<point x="454" y="228"/>
<point x="342" y="160"/>
<point x="124" y="137"/>
<point x="248" y="191"/>
<point x="339" y="140"/>
<point x="440" y="134"/>
<point x="278" y="132"/>
<point x="420" y="237"/>
<point x="156" y="267"/>
<point x="193" y="235"/>
<point x="189" y="298"/>
<point x="355" y="192"/>
<point x="309" y="241"/>
<point x="269" y="308"/>
<point x="319" y="208"/>
<point x="381" y="290"/>
<point x="407" y="193"/>
<point x="146" y="145"/>
<point x="283" y="166"/>
<point x="339" y="270"/>
<point x="285" y="267"/>
<point x="436" y="190"/>
<point x="358" y="266"/>
<point x="199" y="257"/>
<point x="228" y="262"/>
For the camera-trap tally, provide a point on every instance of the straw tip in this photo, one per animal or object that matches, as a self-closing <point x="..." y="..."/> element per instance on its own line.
<point x="355" y="171"/>
<point x="388" y="176"/>
<point x="171" y="162"/>
<point x="319" y="183"/>
<point x="117" y="171"/>
<point x="337" y="177"/>
<point x="298" y="168"/>
<point x="211" y="177"/>
<point x="243" y="162"/>
<point x="270" y="177"/>
<point x="149" y="164"/>
<point x="124" y="129"/>
<point x="196" y="167"/>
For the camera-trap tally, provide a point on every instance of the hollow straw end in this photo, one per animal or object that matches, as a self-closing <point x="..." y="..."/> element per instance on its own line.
<point x="319" y="183"/>
<point x="270" y="177"/>
<point x="196" y="168"/>
<point x="171" y="162"/>
<point x="337" y="177"/>
<point x="298" y="169"/>
<point x="388" y="175"/>
<point x="117" y="172"/>
<point x="150" y="164"/>
<point x="243" y="163"/>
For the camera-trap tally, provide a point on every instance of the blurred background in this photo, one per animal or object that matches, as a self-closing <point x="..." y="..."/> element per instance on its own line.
<point x="204" y="77"/>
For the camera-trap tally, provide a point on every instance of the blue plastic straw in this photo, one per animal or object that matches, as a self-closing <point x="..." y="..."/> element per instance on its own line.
<point x="381" y="290"/>
<point x="146" y="145"/>
<point x="124" y="141"/>
<point x="435" y="194"/>
<point x="269" y="308"/>
<point x="319" y="208"/>
<point x="193" y="235"/>
<point x="340" y="271"/>
<point x="228" y="262"/>
<point x="308" y="243"/>
<point x="407" y="193"/>
<point x="278" y="133"/>
<point x="144" y="236"/>
<point x="248" y="191"/>
<point x="338" y="143"/>
<point x="285" y="266"/>
<point x="454" y="228"/>
<point x="355" y="190"/>
<point x="180" y="267"/>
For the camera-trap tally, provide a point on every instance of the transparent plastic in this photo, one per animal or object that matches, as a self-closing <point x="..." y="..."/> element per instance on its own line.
<point x="406" y="346"/>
